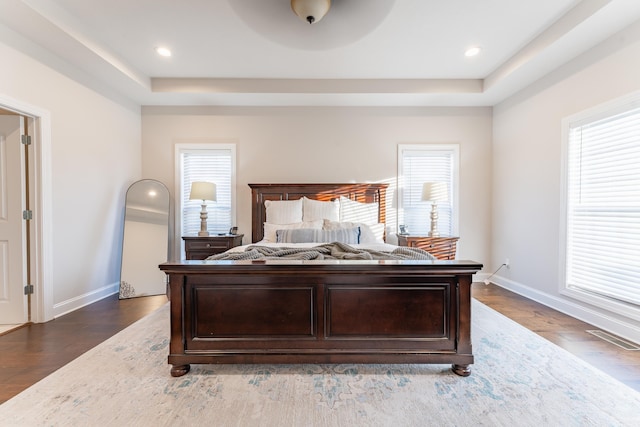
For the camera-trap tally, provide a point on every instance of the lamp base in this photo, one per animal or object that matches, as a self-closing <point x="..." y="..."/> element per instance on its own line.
<point x="203" y="221"/>
<point x="434" y="221"/>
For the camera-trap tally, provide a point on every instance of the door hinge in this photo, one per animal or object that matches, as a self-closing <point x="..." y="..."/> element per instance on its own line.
<point x="26" y="139"/>
<point x="27" y="215"/>
<point x="28" y="289"/>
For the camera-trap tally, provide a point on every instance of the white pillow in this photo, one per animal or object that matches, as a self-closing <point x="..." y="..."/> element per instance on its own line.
<point x="366" y="213"/>
<point x="283" y="211"/>
<point x="377" y="233"/>
<point x="316" y="209"/>
<point x="369" y="233"/>
<point x="270" y="229"/>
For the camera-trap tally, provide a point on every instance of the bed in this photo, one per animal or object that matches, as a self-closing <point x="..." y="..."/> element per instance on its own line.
<point x="320" y="310"/>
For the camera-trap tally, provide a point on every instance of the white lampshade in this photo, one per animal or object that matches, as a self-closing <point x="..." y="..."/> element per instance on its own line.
<point x="311" y="11"/>
<point x="435" y="192"/>
<point x="201" y="190"/>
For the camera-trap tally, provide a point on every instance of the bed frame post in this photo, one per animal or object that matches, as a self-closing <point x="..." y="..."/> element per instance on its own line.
<point x="176" y="299"/>
<point x="463" y="296"/>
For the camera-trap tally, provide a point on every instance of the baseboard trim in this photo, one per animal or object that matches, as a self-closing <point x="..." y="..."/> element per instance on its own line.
<point x="80" y="301"/>
<point x="592" y="316"/>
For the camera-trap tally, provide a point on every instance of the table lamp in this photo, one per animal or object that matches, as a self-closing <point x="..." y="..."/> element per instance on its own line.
<point x="203" y="191"/>
<point x="434" y="192"/>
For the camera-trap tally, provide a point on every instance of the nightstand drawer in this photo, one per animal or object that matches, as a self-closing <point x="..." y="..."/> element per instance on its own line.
<point x="201" y="247"/>
<point x="443" y="248"/>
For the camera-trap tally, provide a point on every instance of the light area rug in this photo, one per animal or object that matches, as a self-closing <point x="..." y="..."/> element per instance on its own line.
<point x="518" y="379"/>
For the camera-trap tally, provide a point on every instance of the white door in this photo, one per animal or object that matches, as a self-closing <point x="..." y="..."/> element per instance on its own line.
<point x="13" y="302"/>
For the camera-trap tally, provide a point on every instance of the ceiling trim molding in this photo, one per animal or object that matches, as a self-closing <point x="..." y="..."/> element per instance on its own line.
<point x="568" y="22"/>
<point x="77" y="32"/>
<point x="328" y="86"/>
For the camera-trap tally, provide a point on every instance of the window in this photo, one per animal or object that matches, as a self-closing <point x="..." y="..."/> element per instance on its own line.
<point x="205" y="162"/>
<point x="422" y="163"/>
<point x="602" y="205"/>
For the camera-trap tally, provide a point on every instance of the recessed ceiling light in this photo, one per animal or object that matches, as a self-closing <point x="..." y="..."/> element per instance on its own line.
<point x="163" y="51"/>
<point x="472" y="51"/>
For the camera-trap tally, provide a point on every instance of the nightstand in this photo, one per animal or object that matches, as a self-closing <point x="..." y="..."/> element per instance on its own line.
<point x="198" y="247"/>
<point x="440" y="247"/>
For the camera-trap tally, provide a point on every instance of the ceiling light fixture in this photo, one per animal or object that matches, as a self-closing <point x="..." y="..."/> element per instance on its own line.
<point x="311" y="11"/>
<point x="472" y="51"/>
<point x="163" y="51"/>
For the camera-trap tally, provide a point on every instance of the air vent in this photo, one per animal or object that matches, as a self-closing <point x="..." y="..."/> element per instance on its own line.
<point x="614" y="340"/>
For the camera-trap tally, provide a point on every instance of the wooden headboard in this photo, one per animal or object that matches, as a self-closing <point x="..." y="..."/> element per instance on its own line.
<point x="364" y="193"/>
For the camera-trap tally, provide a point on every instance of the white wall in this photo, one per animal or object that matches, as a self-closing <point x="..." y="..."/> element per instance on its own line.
<point x="527" y="171"/>
<point x="286" y="145"/>
<point x="95" y="155"/>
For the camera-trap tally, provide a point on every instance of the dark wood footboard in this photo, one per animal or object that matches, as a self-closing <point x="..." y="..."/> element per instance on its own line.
<point x="320" y="312"/>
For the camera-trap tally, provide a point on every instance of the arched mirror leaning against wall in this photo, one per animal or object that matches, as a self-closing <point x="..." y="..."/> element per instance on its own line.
<point x="145" y="241"/>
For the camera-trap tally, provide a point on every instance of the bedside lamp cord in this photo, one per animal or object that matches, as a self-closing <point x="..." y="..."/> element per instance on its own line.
<point x="486" y="281"/>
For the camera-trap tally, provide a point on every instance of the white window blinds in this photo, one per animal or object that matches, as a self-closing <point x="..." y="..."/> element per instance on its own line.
<point x="427" y="163"/>
<point x="211" y="165"/>
<point x="603" y="204"/>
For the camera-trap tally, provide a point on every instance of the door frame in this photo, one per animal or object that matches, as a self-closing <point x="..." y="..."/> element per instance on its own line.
<point x="39" y="123"/>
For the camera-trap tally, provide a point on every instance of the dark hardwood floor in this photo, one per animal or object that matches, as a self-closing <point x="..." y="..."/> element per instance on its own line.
<point x="32" y="352"/>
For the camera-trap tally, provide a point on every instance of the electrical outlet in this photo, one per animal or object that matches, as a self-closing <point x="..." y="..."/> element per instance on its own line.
<point x="506" y="262"/>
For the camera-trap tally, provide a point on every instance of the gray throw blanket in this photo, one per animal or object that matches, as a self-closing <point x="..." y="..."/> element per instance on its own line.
<point x="333" y="250"/>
